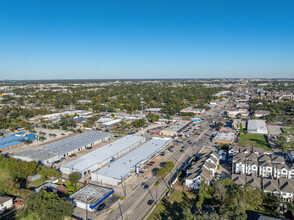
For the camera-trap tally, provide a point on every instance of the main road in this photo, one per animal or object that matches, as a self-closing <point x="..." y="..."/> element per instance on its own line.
<point x="135" y="206"/>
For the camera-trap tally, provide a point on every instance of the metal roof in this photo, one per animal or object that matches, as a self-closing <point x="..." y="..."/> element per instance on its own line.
<point x="37" y="155"/>
<point x="177" y="126"/>
<point x="124" y="165"/>
<point x="10" y="141"/>
<point x="257" y="126"/>
<point x="63" y="147"/>
<point x="103" y="153"/>
<point x="68" y="145"/>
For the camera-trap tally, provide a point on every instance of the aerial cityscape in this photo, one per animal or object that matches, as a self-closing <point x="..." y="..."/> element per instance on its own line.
<point x="147" y="110"/>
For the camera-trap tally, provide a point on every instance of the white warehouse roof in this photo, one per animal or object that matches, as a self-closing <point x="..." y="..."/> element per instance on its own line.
<point x="103" y="153"/>
<point x="68" y="145"/>
<point x="257" y="127"/>
<point x="60" y="148"/>
<point x="124" y="165"/>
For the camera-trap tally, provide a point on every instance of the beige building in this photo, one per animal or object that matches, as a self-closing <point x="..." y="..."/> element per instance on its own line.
<point x="224" y="138"/>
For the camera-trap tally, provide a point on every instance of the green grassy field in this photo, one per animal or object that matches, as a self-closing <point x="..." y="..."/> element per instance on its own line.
<point x="4" y="174"/>
<point x="174" y="206"/>
<point x="288" y="130"/>
<point x="38" y="182"/>
<point x="254" y="140"/>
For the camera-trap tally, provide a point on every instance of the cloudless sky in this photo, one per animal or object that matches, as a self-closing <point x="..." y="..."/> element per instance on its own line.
<point x="78" y="39"/>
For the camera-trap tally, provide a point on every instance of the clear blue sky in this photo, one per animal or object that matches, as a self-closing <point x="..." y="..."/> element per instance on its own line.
<point x="76" y="39"/>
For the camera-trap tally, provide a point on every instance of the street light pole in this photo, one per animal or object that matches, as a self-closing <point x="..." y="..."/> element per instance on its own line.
<point x="87" y="207"/>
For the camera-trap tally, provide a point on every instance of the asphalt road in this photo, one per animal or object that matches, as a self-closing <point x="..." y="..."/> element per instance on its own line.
<point x="136" y="206"/>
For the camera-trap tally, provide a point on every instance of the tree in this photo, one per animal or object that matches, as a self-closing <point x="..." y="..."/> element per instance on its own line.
<point x="74" y="178"/>
<point x="9" y="187"/>
<point x="140" y="123"/>
<point x="205" y="192"/>
<point x="169" y="165"/>
<point x="161" y="172"/>
<point x="44" y="205"/>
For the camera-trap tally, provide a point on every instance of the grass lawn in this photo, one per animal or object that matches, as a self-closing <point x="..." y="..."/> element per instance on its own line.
<point x="288" y="130"/>
<point x="4" y="174"/>
<point x="254" y="140"/>
<point x="174" y="205"/>
<point x="38" y="182"/>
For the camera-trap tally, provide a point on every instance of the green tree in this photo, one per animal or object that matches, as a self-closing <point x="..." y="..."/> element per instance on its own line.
<point x="205" y="192"/>
<point x="74" y="178"/>
<point x="161" y="172"/>
<point x="44" y="205"/>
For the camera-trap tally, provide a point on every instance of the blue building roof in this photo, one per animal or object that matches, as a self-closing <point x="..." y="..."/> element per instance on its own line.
<point x="11" y="140"/>
<point x="79" y="119"/>
<point x="6" y="132"/>
<point x="31" y="137"/>
<point x="20" y="133"/>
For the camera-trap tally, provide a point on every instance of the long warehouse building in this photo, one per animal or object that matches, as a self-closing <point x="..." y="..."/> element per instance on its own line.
<point x="53" y="152"/>
<point x="119" y="170"/>
<point x="98" y="158"/>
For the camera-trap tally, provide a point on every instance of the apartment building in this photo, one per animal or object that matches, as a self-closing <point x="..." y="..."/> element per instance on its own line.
<point x="202" y="170"/>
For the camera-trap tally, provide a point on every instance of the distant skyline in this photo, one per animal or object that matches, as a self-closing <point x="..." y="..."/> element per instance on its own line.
<point x="134" y="39"/>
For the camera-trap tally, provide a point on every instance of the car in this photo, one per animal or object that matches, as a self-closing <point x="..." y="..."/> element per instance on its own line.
<point x="152" y="162"/>
<point x="62" y="134"/>
<point x="88" y="148"/>
<point x="150" y="202"/>
<point x="100" y="207"/>
<point x="144" y="185"/>
<point x="145" y="168"/>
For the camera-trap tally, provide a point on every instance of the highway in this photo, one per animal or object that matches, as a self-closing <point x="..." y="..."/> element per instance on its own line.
<point x="135" y="206"/>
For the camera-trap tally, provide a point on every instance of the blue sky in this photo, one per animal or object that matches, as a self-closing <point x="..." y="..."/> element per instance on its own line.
<point x="75" y="39"/>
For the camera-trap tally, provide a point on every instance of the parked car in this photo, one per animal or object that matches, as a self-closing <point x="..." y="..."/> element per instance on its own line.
<point x="62" y="134"/>
<point x="100" y="207"/>
<point x="150" y="202"/>
<point x="152" y="162"/>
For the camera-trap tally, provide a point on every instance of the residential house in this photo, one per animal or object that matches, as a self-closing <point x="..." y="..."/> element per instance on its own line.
<point x="286" y="188"/>
<point x="5" y="203"/>
<point x="270" y="186"/>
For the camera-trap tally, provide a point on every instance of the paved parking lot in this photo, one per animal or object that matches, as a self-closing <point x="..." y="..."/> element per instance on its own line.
<point x="274" y="129"/>
<point x="80" y="214"/>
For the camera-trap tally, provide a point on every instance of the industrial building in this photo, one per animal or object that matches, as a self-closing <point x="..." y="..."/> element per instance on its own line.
<point x="257" y="127"/>
<point x="53" y="152"/>
<point x="110" y="123"/>
<point x="116" y="172"/>
<point x="55" y="116"/>
<point x="98" y="158"/>
<point x="224" y="138"/>
<point x="15" y="140"/>
<point x="175" y="128"/>
<point x="90" y="196"/>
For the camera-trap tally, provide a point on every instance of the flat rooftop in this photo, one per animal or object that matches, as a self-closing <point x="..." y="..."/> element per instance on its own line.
<point x="91" y="194"/>
<point x="103" y="153"/>
<point x="124" y="165"/>
<point x="224" y="136"/>
<point x="37" y="155"/>
<point x="177" y="126"/>
<point x="65" y="146"/>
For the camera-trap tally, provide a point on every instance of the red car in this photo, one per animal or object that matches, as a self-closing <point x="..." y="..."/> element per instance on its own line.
<point x="152" y="162"/>
<point x="62" y="134"/>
